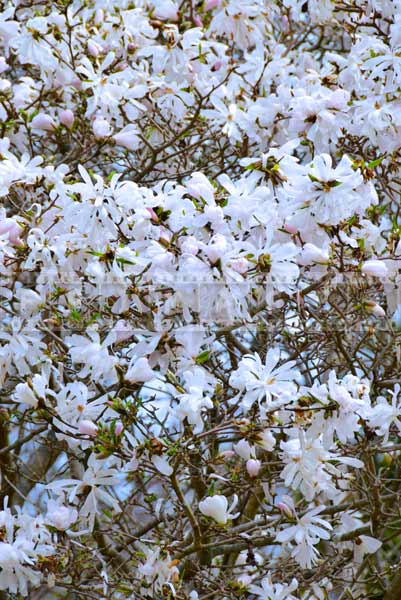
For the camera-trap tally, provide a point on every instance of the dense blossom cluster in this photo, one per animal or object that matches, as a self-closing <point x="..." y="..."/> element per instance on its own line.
<point x="200" y="299"/>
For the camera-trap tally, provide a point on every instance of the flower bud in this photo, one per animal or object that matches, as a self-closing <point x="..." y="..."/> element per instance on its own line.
<point x="286" y="507"/>
<point x="387" y="459"/>
<point x="226" y="454"/>
<point x="215" y="507"/>
<point x="122" y="331"/>
<point x="285" y="23"/>
<point x="119" y="428"/>
<point x="87" y="427"/>
<point x="99" y="16"/>
<point x="374" y="309"/>
<point x="93" y="48"/>
<point x="253" y="466"/>
<point x="210" y="4"/>
<point x="217" y="65"/>
<point x="43" y="122"/>
<point x="214" y="214"/>
<point x="67" y="118"/>
<point x="376" y="268"/>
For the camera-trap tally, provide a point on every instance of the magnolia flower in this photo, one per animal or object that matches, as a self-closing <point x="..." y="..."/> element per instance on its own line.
<point x="31" y="392"/>
<point x="60" y="516"/>
<point x="365" y="544"/>
<point x="93" y="48"/>
<point x="266" y="440"/>
<point x="267" y="381"/>
<point x="139" y="371"/>
<point x="11" y="228"/>
<point x="216" y="248"/>
<point x="30" y="301"/>
<point x="376" y="268"/>
<point x="286" y="505"/>
<point x="24" y="543"/>
<point x="93" y="485"/>
<point x="384" y="414"/>
<point x="162" y="465"/>
<point x="274" y="591"/>
<point x="166" y="9"/>
<point x="244" y="449"/>
<point x="216" y="507"/>
<point x="101" y="127"/>
<point x="308" y="531"/>
<point x="128" y="138"/>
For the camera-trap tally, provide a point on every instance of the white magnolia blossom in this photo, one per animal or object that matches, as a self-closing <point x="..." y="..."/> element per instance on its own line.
<point x="267" y="590"/>
<point x="266" y="383"/>
<point x="216" y="507"/>
<point x="307" y="532"/>
<point x="200" y="298"/>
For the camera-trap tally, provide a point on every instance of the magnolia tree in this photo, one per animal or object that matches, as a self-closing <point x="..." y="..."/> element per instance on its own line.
<point x="200" y="300"/>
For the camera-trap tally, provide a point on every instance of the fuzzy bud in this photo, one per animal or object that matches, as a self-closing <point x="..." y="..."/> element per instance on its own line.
<point x="67" y="118"/>
<point x="211" y="4"/>
<point x="376" y="268"/>
<point x="119" y="428"/>
<point x="253" y="466"/>
<point x="374" y="309"/>
<point x="87" y="427"/>
<point x="93" y="48"/>
<point x="43" y="122"/>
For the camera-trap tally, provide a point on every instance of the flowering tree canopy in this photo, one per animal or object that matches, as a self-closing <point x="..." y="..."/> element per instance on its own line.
<point x="200" y="299"/>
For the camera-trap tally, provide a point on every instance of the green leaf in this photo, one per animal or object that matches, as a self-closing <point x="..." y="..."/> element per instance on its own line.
<point x="374" y="163"/>
<point x="202" y="357"/>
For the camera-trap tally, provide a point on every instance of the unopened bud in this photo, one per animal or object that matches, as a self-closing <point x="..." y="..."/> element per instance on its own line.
<point x="253" y="466"/>
<point x="374" y="309"/>
<point x="87" y="427"/>
<point x="376" y="268"/>
<point x="210" y="4"/>
<point x="119" y="428"/>
<point x="43" y="122"/>
<point x="285" y="509"/>
<point x="67" y="118"/>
